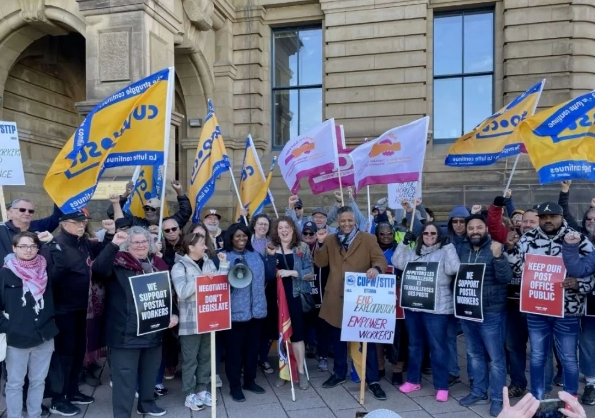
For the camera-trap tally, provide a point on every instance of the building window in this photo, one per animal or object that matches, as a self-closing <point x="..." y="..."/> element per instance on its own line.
<point x="296" y="82"/>
<point x="463" y="72"/>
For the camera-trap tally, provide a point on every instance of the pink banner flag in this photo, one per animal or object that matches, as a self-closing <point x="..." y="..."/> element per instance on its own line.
<point x="329" y="180"/>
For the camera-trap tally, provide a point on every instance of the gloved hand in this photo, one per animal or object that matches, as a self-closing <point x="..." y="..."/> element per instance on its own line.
<point x="499" y="201"/>
<point x="408" y="238"/>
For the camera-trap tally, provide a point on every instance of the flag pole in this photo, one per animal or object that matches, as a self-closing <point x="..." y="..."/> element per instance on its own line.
<point x="289" y="365"/>
<point x="511" y="173"/>
<point x="340" y="183"/>
<point x="369" y="203"/>
<point x="362" y="384"/>
<point x="213" y="375"/>
<point x="273" y="203"/>
<point x="417" y="186"/>
<point x="168" y="112"/>
<point x="235" y="186"/>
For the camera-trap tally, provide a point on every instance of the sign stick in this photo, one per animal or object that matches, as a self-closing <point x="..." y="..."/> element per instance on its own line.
<point x="511" y="173"/>
<point x="414" y="206"/>
<point x="362" y="384"/>
<point x="290" y="374"/>
<point x="213" y="376"/>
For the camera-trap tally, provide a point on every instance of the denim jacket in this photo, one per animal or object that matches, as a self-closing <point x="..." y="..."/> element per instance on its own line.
<point x="302" y="263"/>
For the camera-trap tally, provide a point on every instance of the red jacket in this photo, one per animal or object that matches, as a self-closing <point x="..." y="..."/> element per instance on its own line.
<point x="497" y="230"/>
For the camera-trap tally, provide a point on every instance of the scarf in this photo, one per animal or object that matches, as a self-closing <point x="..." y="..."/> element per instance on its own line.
<point x="346" y="239"/>
<point x="34" y="275"/>
<point x="127" y="261"/>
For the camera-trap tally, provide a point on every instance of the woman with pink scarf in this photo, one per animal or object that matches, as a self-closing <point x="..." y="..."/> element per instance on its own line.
<point x="27" y="318"/>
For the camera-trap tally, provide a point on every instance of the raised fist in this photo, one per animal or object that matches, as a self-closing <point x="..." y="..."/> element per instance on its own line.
<point x="572" y="238"/>
<point x="109" y="226"/>
<point x="338" y="197"/>
<point x="476" y="209"/>
<point x="154" y="229"/>
<point x="406" y="205"/>
<point x="508" y="193"/>
<point x="512" y="239"/>
<point x="566" y="185"/>
<point x="222" y="257"/>
<point x="129" y="187"/>
<point x="45" y="237"/>
<point x="271" y="249"/>
<point x="321" y="235"/>
<point x="114" y="198"/>
<point x="496" y="249"/>
<point x="120" y="238"/>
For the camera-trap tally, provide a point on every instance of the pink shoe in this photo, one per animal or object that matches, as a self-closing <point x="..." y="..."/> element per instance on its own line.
<point x="442" y="395"/>
<point x="409" y="387"/>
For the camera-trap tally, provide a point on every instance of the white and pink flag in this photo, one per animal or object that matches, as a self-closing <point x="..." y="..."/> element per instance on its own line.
<point x="309" y="154"/>
<point x="329" y="181"/>
<point x="396" y="156"/>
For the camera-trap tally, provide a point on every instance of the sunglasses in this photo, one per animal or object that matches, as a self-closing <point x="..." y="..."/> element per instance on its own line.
<point x="430" y="233"/>
<point x="307" y="233"/>
<point x="458" y="221"/>
<point x="30" y="211"/>
<point x="298" y="208"/>
<point x="170" y="230"/>
<point x="148" y="208"/>
<point x="589" y="219"/>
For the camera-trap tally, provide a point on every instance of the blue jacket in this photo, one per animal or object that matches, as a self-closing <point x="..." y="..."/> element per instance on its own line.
<point x="250" y="302"/>
<point x="579" y="263"/>
<point x="497" y="274"/>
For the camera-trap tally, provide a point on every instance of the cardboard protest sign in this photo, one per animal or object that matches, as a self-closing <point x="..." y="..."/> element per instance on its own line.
<point x="418" y="285"/>
<point x="369" y="308"/>
<point x="152" y="299"/>
<point x="468" y="301"/>
<point x="541" y="292"/>
<point x="213" y="311"/>
<point x="11" y="164"/>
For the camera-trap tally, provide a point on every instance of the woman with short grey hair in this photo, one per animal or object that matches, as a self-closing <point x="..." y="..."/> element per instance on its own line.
<point x="134" y="231"/>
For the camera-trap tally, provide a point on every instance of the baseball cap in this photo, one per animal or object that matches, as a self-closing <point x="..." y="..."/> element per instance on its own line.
<point x="153" y="203"/>
<point x="549" y="208"/>
<point x="123" y="223"/>
<point x="298" y="203"/>
<point x="319" y="210"/>
<point x="211" y="212"/>
<point x="476" y="217"/>
<point x="75" y="216"/>
<point x="309" y="225"/>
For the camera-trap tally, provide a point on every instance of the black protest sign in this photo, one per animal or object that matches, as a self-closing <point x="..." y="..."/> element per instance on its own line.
<point x="468" y="288"/>
<point x="590" y="304"/>
<point x="316" y="289"/>
<point x="418" y="285"/>
<point x="152" y="299"/>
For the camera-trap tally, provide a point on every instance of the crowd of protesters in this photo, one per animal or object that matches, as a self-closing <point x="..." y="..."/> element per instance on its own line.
<point x="67" y="303"/>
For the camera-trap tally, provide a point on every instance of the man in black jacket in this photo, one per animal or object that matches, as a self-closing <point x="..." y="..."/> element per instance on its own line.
<point x="70" y="270"/>
<point x="20" y="217"/>
<point x="152" y="208"/>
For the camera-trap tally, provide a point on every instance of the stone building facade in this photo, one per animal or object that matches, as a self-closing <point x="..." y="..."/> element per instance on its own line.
<point x="378" y="64"/>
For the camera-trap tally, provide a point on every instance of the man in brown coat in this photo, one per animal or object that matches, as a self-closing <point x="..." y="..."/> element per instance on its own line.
<point x="348" y="250"/>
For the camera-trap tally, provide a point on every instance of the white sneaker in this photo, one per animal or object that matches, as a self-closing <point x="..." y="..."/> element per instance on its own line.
<point x="218" y="382"/>
<point x="193" y="403"/>
<point x="205" y="398"/>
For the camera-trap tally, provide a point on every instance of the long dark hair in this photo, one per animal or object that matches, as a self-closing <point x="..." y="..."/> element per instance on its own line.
<point x="420" y="240"/>
<point x="295" y="241"/>
<point x="233" y="229"/>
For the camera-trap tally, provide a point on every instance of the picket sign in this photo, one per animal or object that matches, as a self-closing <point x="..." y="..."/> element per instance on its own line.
<point x="11" y="164"/>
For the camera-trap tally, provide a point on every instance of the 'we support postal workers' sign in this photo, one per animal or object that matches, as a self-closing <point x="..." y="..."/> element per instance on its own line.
<point x="369" y="308"/>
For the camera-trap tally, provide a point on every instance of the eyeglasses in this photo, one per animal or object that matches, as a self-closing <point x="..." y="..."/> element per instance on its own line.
<point x="170" y="230"/>
<point x="149" y="209"/>
<point x="307" y="233"/>
<point x="81" y="222"/>
<point x="298" y="208"/>
<point x="430" y="233"/>
<point x="27" y="247"/>
<point x="140" y="243"/>
<point x="30" y="211"/>
<point x="458" y="221"/>
<point x="589" y="219"/>
<point x="262" y="224"/>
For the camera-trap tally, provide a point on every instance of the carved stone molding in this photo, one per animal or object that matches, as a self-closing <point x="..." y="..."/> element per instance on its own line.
<point x="200" y="13"/>
<point x="33" y="10"/>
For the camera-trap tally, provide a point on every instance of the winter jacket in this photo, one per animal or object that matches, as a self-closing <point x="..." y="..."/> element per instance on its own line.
<point x="497" y="230"/>
<point x="496" y="278"/>
<point x="8" y="230"/>
<point x="170" y="251"/>
<point x="23" y="327"/>
<point x="69" y="266"/>
<point x="459" y="211"/>
<point x="302" y="263"/>
<point x="183" y="276"/>
<point x="121" y="319"/>
<point x="182" y="216"/>
<point x="449" y="265"/>
<point x="536" y="242"/>
<point x="250" y="302"/>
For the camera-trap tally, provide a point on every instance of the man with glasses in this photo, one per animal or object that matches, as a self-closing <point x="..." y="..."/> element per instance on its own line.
<point x="20" y="218"/>
<point x="295" y="210"/>
<point x="173" y="240"/>
<point x="152" y="208"/>
<point x="70" y="255"/>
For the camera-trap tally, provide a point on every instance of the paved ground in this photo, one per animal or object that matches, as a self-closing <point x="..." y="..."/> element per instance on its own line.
<point x="341" y="401"/>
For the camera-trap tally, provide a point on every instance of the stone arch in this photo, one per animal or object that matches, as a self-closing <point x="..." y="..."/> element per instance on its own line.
<point x="24" y="22"/>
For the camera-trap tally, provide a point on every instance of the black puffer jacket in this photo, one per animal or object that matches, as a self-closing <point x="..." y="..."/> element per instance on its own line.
<point x="120" y="312"/>
<point x="69" y="266"/>
<point x="497" y="274"/>
<point x="24" y="328"/>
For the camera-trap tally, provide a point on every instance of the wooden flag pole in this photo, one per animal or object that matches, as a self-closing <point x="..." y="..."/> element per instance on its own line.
<point x="362" y="383"/>
<point x="213" y="376"/>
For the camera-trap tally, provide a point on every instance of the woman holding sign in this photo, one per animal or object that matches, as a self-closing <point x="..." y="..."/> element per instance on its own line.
<point x="196" y="349"/>
<point x="134" y="305"/>
<point x="426" y="325"/>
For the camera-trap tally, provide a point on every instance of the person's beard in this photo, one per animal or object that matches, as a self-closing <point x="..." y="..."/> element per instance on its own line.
<point x="478" y="241"/>
<point x="212" y="228"/>
<point x="591" y="230"/>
